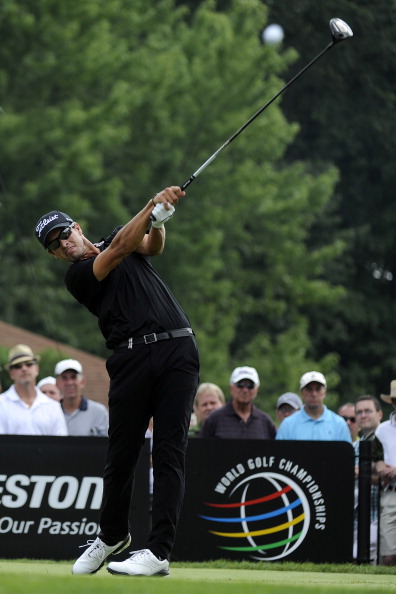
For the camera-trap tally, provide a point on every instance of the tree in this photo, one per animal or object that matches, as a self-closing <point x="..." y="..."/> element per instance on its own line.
<point x="113" y="101"/>
<point x="346" y="112"/>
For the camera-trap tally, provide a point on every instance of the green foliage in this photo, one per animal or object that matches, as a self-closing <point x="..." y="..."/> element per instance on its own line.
<point x="105" y="103"/>
<point x="349" y="120"/>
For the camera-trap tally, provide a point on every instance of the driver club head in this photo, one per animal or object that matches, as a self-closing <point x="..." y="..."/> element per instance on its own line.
<point x="340" y="30"/>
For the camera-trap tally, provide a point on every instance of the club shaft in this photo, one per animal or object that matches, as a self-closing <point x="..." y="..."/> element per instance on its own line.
<point x="254" y="116"/>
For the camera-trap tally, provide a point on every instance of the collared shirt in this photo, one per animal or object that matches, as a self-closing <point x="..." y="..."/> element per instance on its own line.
<point x="386" y="433"/>
<point x="132" y="300"/>
<point x="43" y="417"/>
<point x="328" y="427"/>
<point x="91" y="418"/>
<point x="226" y="423"/>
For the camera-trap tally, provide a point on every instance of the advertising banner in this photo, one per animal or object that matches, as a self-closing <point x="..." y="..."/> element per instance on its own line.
<point x="50" y="495"/>
<point x="262" y="500"/>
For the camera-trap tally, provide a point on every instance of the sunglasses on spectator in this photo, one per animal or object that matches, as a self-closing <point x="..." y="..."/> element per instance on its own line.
<point x="352" y="419"/>
<point x="249" y="384"/>
<point x="64" y="234"/>
<point x="20" y="365"/>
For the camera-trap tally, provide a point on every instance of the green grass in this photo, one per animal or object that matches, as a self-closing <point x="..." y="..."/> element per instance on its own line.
<point x="217" y="577"/>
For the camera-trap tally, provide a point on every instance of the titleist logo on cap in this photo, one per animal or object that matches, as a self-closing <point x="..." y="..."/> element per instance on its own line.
<point x="44" y="223"/>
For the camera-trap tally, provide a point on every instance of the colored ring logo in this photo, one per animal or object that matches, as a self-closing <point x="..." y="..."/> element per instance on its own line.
<point x="270" y="517"/>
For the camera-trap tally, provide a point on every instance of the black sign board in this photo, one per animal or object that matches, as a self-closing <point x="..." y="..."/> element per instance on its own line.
<point x="50" y="495"/>
<point x="262" y="500"/>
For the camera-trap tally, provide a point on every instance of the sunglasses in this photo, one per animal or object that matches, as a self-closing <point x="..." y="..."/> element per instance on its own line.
<point x="64" y="234"/>
<point x="245" y="384"/>
<point x="20" y="365"/>
<point x="352" y="419"/>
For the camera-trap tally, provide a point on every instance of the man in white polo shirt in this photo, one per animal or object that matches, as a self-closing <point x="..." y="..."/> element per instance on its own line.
<point x="24" y="409"/>
<point x="83" y="416"/>
<point x="386" y="433"/>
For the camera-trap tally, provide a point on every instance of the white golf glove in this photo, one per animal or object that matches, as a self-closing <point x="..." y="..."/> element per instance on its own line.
<point x="160" y="214"/>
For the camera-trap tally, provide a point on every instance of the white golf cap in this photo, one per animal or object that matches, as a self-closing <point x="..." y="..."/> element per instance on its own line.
<point x="66" y="364"/>
<point x="47" y="380"/>
<point x="312" y="376"/>
<point x="290" y="398"/>
<point x="241" y="373"/>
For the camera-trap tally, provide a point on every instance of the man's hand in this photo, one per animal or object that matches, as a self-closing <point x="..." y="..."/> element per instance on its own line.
<point x="160" y="214"/>
<point x="165" y="202"/>
<point x="386" y="472"/>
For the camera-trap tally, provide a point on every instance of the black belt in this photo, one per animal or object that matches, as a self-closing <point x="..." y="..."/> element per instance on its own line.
<point x="153" y="337"/>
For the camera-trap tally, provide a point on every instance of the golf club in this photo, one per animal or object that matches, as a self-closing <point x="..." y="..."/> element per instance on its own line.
<point x="339" y="31"/>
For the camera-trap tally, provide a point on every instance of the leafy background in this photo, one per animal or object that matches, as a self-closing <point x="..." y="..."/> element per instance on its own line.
<point x="282" y="253"/>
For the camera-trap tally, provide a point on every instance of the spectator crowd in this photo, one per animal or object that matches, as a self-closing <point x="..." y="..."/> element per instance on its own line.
<point x="56" y="405"/>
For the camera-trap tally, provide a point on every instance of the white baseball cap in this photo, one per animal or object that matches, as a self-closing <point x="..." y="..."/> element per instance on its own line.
<point x="47" y="380"/>
<point x="312" y="376"/>
<point x="66" y="364"/>
<point x="241" y="373"/>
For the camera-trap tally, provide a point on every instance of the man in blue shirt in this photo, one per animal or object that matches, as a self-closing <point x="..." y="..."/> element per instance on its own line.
<point x="314" y="421"/>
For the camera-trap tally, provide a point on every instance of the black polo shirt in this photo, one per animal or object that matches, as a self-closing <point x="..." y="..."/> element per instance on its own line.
<point x="226" y="423"/>
<point x="131" y="301"/>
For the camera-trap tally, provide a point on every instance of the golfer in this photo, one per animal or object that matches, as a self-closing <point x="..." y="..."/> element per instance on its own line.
<point x="154" y="372"/>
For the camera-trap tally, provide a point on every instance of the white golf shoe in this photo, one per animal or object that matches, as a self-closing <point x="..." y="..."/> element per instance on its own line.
<point x="94" y="557"/>
<point x="140" y="563"/>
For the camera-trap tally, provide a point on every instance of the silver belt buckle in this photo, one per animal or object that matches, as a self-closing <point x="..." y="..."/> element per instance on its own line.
<point x="149" y="338"/>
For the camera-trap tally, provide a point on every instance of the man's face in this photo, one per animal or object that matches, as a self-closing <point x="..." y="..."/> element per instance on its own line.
<point x="71" y="249"/>
<point x="207" y="403"/>
<point x="283" y="411"/>
<point x="244" y="391"/>
<point x="367" y="416"/>
<point x="313" y="395"/>
<point x="70" y="384"/>
<point x="51" y="390"/>
<point x="24" y="374"/>
<point x="348" y="413"/>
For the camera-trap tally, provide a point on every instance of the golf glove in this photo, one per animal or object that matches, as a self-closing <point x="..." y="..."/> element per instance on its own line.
<point x="160" y="214"/>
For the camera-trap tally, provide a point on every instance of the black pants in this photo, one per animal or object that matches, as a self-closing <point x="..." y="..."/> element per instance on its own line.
<point x="158" y="380"/>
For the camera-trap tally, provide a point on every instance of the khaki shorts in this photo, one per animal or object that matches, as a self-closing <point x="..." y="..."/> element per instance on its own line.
<point x="388" y="523"/>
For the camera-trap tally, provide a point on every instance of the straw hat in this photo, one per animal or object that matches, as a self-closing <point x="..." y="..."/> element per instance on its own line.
<point x="21" y="353"/>
<point x="388" y="397"/>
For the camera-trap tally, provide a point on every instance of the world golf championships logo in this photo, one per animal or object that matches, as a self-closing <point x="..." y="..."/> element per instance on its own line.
<point x="270" y="515"/>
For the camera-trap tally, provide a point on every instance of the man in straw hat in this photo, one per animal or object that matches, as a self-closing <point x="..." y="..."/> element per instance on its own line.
<point x="24" y="409"/>
<point x="386" y="433"/>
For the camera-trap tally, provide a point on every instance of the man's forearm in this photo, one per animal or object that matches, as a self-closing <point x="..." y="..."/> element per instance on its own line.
<point x="133" y="233"/>
<point x="153" y="243"/>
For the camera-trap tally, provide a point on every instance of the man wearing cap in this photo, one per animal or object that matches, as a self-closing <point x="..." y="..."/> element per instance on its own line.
<point x="386" y="433"/>
<point x="287" y="404"/>
<point x="154" y="372"/>
<point x="314" y="421"/>
<point x="48" y="387"/>
<point x="83" y="416"/>
<point x="240" y="418"/>
<point x="24" y="409"/>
